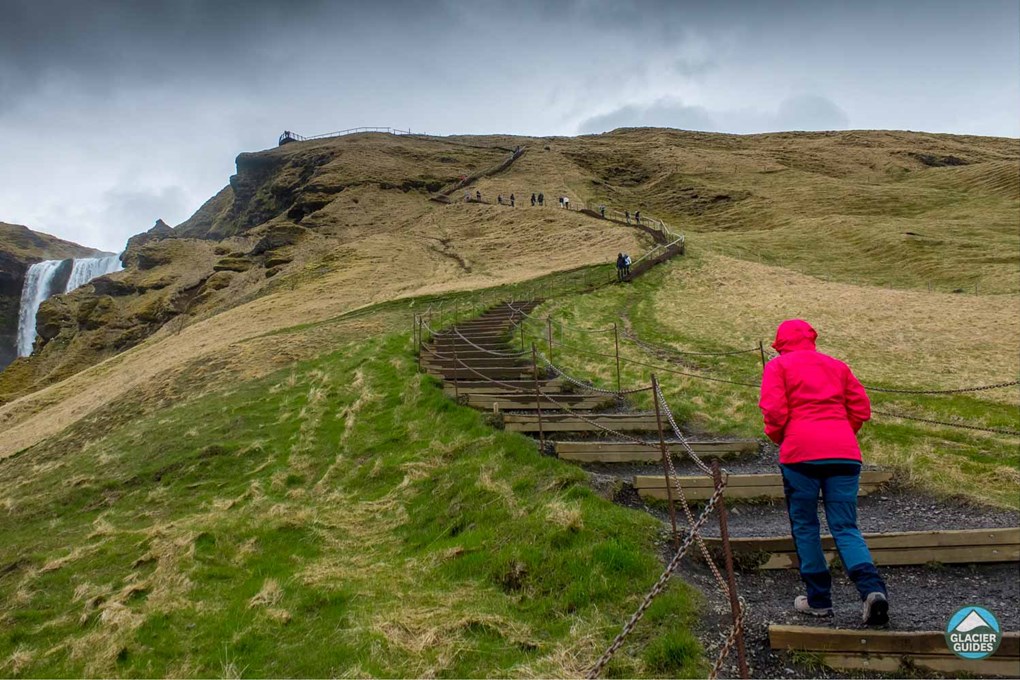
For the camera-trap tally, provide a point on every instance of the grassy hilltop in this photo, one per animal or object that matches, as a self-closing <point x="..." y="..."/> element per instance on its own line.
<point x="249" y="477"/>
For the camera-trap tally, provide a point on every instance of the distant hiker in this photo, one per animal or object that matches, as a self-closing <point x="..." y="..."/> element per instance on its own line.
<point x="512" y="200"/>
<point x="478" y="196"/>
<point x="602" y="211"/>
<point x="532" y="200"/>
<point x="626" y="264"/>
<point x="499" y="199"/>
<point x="626" y="213"/>
<point x="619" y="267"/>
<point x="566" y="203"/>
<point x="541" y="200"/>
<point x="637" y="217"/>
<point x="561" y="201"/>
<point x="813" y="407"/>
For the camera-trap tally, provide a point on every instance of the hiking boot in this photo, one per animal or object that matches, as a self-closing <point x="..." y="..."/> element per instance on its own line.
<point x="800" y="604"/>
<point x="876" y="609"/>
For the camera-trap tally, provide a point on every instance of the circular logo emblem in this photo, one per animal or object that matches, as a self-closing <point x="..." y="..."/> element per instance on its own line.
<point x="973" y="633"/>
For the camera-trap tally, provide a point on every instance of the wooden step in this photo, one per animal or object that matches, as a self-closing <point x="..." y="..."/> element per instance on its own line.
<point x="472" y="334"/>
<point x="887" y="651"/>
<point x="627" y="452"/>
<point x="513" y="387"/>
<point x="960" y="546"/>
<point x="481" y="373"/>
<point x="564" y="422"/>
<point x="700" y="488"/>
<point x="477" y="362"/>
<point x="526" y="402"/>
<point x="447" y="345"/>
<point x="469" y="354"/>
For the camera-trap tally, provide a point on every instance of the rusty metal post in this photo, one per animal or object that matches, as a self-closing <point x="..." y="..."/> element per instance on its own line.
<point x="665" y="462"/>
<point x="616" y="339"/>
<point x="761" y="349"/>
<point x="724" y="537"/>
<point x="548" y="322"/>
<point x="538" y="397"/>
<point x="520" y="324"/>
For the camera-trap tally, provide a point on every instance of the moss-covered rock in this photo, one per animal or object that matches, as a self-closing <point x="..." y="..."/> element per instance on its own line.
<point x="219" y="280"/>
<point x="233" y="264"/>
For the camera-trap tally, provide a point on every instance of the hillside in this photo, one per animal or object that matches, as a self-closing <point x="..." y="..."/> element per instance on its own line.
<point x="226" y="450"/>
<point x="20" y="248"/>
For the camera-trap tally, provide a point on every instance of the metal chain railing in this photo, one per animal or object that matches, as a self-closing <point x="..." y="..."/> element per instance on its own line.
<point x="932" y="421"/>
<point x="659" y="586"/>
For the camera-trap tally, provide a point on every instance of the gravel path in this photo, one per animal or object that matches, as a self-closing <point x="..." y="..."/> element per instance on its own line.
<point x="921" y="598"/>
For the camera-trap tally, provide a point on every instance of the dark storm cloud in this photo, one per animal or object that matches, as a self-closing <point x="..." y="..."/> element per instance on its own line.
<point x="803" y="112"/>
<point x="115" y="113"/>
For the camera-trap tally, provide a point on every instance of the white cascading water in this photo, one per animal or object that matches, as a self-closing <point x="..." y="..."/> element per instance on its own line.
<point x="87" y="268"/>
<point x="38" y="287"/>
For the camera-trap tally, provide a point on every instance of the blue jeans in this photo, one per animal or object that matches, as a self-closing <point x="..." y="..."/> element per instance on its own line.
<point x="837" y="482"/>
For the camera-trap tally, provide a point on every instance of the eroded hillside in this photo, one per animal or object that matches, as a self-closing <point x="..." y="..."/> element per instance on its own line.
<point x="309" y="230"/>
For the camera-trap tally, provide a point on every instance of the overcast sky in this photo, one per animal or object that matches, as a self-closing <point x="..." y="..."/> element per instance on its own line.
<point x="113" y="114"/>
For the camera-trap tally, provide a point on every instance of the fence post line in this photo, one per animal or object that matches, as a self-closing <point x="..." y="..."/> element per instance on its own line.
<point x="724" y="537"/>
<point x="665" y="462"/>
<point x="548" y="323"/>
<point x="420" y="344"/>
<point x="456" y="369"/>
<point x="538" y="398"/>
<point x="520" y="324"/>
<point x="761" y="350"/>
<point x="616" y="339"/>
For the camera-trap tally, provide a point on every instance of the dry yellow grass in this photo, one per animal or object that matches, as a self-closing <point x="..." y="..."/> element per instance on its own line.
<point x="893" y="337"/>
<point x="499" y="246"/>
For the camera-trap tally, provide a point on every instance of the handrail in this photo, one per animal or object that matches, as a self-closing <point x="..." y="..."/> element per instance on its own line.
<point x="289" y="136"/>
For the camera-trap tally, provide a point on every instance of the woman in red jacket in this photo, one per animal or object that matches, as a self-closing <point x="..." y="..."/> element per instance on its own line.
<point x="813" y="407"/>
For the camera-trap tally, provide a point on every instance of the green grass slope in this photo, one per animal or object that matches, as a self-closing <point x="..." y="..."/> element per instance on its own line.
<point x="337" y="517"/>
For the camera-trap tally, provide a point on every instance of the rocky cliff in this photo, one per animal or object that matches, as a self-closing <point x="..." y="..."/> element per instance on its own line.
<point x="20" y="248"/>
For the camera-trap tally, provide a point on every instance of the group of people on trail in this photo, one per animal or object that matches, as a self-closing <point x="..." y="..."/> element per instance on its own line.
<point x="536" y="199"/>
<point x="622" y="266"/>
<point x="626" y="214"/>
<point x="813" y="406"/>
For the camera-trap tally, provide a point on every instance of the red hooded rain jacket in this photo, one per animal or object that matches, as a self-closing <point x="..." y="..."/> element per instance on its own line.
<point x="813" y="404"/>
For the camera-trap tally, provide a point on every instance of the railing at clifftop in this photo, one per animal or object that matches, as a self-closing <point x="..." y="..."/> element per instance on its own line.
<point x="289" y="136"/>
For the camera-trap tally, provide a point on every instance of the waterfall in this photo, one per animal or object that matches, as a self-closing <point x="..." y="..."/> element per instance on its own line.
<point x="39" y="286"/>
<point x="36" y="289"/>
<point x="85" y="269"/>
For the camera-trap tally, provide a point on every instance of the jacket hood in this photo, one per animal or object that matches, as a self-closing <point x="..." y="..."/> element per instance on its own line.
<point x="793" y="335"/>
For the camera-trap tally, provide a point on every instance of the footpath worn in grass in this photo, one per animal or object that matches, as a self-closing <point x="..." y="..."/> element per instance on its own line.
<point x="890" y="338"/>
<point x="338" y="517"/>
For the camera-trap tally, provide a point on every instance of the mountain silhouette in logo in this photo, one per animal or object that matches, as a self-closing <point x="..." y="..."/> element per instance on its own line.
<point x="973" y="622"/>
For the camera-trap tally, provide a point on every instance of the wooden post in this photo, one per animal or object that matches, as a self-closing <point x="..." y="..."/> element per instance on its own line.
<point x="665" y="463"/>
<point x="538" y="398"/>
<point x="548" y="322"/>
<point x="616" y="339"/>
<point x="724" y="537"/>
<point x="761" y="350"/>
<point x="420" y="344"/>
<point x="456" y="368"/>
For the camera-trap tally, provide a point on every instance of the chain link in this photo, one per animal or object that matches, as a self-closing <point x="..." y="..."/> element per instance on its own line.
<point x="659" y="586"/>
<point x="586" y="386"/>
<point x="994" y="430"/>
<point x="959" y="390"/>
